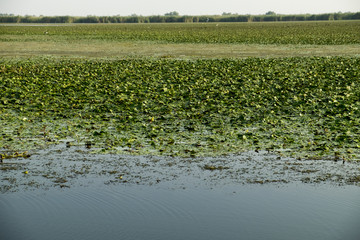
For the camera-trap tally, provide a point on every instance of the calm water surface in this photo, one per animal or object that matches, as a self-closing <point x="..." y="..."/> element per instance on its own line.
<point x="292" y="211"/>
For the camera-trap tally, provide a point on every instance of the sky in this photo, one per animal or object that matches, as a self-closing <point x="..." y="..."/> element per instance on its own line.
<point x="183" y="7"/>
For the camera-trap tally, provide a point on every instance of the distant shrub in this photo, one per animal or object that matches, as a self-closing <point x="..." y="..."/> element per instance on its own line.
<point x="174" y="17"/>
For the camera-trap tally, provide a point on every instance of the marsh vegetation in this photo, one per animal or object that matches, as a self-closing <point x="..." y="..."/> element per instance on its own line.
<point x="204" y="104"/>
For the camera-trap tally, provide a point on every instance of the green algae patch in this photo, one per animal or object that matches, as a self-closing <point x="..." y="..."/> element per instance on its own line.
<point x="305" y="108"/>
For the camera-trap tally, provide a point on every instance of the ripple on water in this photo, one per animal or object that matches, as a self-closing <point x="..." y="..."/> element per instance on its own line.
<point x="152" y="212"/>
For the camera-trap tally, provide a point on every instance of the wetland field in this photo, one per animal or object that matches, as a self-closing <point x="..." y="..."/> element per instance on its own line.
<point x="173" y="131"/>
<point x="181" y="90"/>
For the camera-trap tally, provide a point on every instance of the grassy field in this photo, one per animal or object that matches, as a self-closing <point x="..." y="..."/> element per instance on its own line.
<point x="183" y="89"/>
<point x="318" y="33"/>
<point x="211" y="40"/>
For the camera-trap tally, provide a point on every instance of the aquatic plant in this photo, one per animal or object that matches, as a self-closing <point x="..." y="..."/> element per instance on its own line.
<point x="303" y="107"/>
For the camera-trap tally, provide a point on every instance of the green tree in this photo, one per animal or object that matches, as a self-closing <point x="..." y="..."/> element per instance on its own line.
<point x="174" y="13"/>
<point x="270" y="13"/>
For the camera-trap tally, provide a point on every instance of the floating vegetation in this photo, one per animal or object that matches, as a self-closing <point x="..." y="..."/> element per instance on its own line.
<point x="60" y="167"/>
<point x="212" y="167"/>
<point x="14" y="155"/>
<point x="298" y="107"/>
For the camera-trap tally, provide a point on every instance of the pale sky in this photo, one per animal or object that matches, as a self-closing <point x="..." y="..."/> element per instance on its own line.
<point x="183" y="7"/>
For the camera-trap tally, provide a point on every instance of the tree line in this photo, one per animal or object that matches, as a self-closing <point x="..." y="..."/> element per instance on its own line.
<point x="168" y="18"/>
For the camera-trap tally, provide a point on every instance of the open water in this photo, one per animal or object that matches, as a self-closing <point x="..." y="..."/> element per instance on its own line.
<point x="291" y="211"/>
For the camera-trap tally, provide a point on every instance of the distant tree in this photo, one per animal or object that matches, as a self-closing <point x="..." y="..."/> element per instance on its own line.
<point x="356" y="15"/>
<point x="174" y="17"/>
<point x="187" y="19"/>
<point x="324" y="17"/>
<point x="270" y="13"/>
<point x="270" y="18"/>
<point x="157" y="19"/>
<point x="174" y="13"/>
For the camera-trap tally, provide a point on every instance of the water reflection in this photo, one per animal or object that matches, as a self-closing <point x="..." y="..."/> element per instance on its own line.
<point x="158" y="212"/>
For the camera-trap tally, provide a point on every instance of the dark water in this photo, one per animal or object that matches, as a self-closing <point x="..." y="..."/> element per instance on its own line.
<point x="160" y="212"/>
